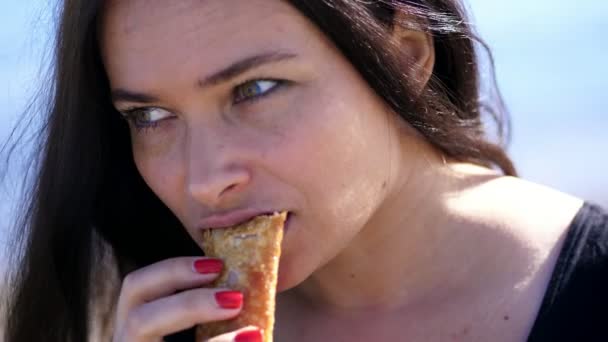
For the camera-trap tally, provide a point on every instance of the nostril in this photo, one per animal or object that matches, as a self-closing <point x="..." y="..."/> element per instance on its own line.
<point x="228" y="188"/>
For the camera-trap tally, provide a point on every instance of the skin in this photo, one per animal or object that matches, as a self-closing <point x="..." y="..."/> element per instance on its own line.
<point x="380" y="217"/>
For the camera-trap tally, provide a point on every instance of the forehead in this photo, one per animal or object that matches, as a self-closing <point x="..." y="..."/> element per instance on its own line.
<point x="141" y="39"/>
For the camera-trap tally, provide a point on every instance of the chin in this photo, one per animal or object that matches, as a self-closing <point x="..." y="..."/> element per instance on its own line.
<point x="290" y="275"/>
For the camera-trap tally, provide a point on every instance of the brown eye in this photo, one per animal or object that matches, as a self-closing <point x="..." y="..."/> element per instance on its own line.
<point x="254" y="89"/>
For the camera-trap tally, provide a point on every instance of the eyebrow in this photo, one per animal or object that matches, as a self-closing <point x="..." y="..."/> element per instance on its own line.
<point x="232" y="71"/>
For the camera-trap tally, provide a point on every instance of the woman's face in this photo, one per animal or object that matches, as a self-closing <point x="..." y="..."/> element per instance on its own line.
<point x="292" y="127"/>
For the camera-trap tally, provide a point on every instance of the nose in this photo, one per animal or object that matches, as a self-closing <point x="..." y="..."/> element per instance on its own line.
<point x="219" y="189"/>
<point x="217" y="173"/>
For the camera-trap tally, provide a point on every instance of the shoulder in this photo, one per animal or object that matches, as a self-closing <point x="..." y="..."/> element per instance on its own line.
<point x="537" y="214"/>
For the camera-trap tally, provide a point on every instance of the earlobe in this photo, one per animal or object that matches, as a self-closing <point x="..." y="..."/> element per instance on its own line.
<point x="416" y="48"/>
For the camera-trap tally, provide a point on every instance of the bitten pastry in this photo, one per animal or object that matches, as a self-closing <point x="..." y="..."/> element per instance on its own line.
<point x="251" y="253"/>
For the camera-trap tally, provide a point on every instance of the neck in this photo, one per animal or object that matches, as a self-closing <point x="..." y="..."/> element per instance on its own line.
<point x="407" y="252"/>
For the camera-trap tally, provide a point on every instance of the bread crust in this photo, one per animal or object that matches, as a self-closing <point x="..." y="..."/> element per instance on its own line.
<point x="251" y="253"/>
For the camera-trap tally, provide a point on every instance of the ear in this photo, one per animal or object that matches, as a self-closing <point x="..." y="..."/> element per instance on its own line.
<point x="416" y="48"/>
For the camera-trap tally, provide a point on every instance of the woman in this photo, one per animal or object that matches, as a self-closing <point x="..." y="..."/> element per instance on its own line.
<point x="362" y="119"/>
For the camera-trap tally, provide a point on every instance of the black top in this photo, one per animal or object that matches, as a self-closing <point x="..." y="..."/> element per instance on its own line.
<point x="575" y="305"/>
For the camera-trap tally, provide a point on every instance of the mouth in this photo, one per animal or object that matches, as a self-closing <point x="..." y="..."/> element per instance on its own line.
<point x="235" y="218"/>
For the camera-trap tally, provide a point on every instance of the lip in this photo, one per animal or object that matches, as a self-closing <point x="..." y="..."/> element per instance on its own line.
<point x="231" y="218"/>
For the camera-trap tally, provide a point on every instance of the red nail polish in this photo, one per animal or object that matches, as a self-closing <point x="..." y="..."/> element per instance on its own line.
<point x="207" y="266"/>
<point x="249" y="336"/>
<point x="229" y="299"/>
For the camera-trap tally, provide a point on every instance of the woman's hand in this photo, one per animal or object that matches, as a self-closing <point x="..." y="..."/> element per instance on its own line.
<point x="149" y="306"/>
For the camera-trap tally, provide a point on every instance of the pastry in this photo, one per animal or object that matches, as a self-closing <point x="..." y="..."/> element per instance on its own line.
<point x="251" y="253"/>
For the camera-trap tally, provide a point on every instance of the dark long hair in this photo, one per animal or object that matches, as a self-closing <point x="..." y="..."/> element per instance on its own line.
<point x="88" y="199"/>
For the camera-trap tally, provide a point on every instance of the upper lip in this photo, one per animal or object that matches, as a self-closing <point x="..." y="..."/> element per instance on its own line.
<point x="231" y="218"/>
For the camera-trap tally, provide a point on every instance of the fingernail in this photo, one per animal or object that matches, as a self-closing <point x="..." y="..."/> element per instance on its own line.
<point x="249" y="336"/>
<point x="207" y="266"/>
<point x="229" y="299"/>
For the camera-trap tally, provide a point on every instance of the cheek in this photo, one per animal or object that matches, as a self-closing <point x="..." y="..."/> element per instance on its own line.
<point x="154" y="143"/>
<point x="336" y="155"/>
<point x="337" y="160"/>
<point x="160" y="169"/>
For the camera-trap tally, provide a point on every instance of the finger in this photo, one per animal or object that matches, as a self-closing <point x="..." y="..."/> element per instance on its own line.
<point x="247" y="334"/>
<point x="164" y="278"/>
<point x="181" y="311"/>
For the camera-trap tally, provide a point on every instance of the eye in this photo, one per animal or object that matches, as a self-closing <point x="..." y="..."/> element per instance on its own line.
<point x="254" y="89"/>
<point x="145" y="117"/>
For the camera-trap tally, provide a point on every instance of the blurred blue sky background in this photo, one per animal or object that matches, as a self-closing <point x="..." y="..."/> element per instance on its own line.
<point x="551" y="63"/>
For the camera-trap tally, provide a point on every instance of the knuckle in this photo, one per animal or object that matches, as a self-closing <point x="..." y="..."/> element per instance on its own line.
<point x="131" y="326"/>
<point x="135" y="324"/>
<point x="130" y="282"/>
<point x="175" y="267"/>
<point x="176" y="262"/>
<point x="191" y="304"/>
